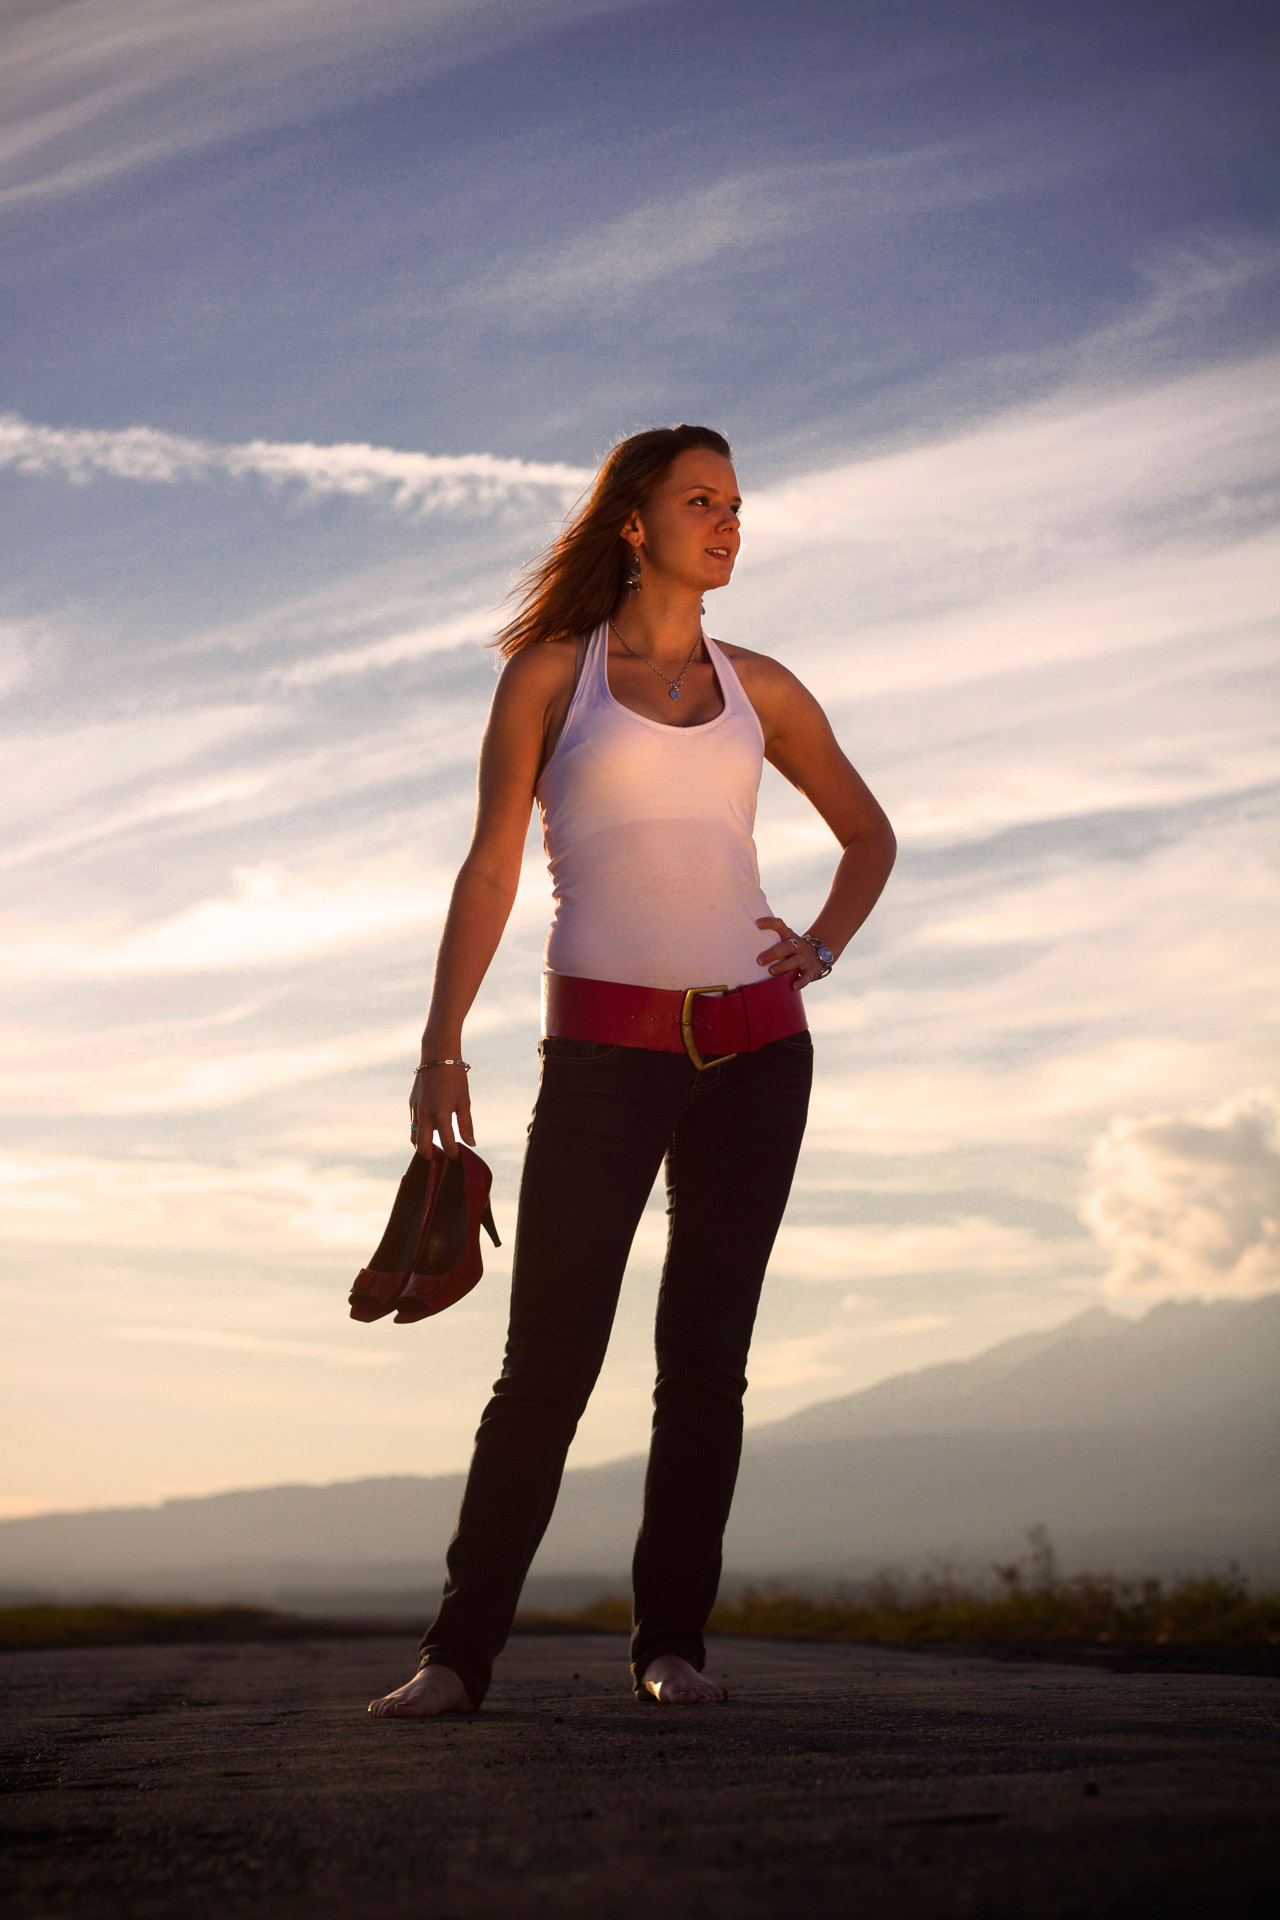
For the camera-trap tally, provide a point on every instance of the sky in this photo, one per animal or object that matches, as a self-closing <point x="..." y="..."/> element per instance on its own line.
<point x="319" y="316"/>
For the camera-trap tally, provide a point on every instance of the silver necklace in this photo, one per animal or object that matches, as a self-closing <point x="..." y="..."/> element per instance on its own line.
<point x="673" y="686"/>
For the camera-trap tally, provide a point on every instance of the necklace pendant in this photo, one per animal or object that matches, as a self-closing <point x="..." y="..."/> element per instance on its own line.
<point x="675" y="693"/>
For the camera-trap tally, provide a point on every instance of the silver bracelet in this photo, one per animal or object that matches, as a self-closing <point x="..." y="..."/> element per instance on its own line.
<point x="424" y="1064"/>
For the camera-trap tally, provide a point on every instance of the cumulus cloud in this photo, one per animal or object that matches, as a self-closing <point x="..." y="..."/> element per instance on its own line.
<point x="1189" y="1204"/>
<point x="409" y="482"/>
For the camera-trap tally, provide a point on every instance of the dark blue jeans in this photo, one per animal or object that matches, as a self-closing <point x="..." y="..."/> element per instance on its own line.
<point x="604" y="1120"/>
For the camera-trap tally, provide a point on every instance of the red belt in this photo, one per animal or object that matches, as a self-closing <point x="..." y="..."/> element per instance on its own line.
<point x="710" y="1024"/>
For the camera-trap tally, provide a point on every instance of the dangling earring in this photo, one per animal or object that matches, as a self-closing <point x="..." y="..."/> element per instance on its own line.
<point x="704" y="609"/>
<point x="633" y="572"/>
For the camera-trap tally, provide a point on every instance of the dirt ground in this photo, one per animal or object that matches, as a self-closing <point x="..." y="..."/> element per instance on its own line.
<point x="838" y="1780"/>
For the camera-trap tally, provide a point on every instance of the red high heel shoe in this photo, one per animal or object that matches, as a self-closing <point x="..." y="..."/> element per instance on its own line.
<point x="378" y="1286"/>
<point x="448" y="1263"/>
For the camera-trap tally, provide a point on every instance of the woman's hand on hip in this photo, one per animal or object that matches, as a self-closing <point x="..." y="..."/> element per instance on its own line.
<point x="440" y="1095"/>
<point x="791" y="954"/>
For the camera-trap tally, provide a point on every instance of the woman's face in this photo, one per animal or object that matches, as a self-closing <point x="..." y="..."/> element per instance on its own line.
<point x="688" y="528"/>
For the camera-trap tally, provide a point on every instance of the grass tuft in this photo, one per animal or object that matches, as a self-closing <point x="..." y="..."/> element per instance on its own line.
<point x="1030" y="1600"/>
<point x="24" y="1629"/>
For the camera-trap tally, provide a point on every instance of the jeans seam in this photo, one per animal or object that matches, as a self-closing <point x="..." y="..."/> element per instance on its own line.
<point x="514" y="1600"/>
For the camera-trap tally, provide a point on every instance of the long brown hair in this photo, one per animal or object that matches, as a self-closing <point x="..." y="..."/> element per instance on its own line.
<point x="575" y="584"/>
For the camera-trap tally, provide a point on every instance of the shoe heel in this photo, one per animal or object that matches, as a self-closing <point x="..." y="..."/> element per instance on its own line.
<point x="377" y="1286"/>
<point x="448" y="1263"/>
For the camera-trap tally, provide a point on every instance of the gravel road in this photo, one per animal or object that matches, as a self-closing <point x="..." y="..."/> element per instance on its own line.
<point x="838" y="1780"/>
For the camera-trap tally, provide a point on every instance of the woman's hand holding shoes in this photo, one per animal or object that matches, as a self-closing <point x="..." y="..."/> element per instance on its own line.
<point x="439" y="1094"/>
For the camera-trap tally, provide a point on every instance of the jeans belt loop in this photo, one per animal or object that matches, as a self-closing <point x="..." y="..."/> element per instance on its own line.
<point x="686" y="1028"/>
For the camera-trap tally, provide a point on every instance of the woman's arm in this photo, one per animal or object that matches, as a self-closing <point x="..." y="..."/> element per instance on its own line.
<point x="483" y="894"/>
<point x="799" y="742"/>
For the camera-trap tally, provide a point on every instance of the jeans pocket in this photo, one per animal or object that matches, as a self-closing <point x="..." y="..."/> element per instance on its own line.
<point x="801" y="1042"/>
<point x="576" y="1053"/>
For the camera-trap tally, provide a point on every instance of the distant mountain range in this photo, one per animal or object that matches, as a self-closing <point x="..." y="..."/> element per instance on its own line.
<point x="1143" y="1445"/>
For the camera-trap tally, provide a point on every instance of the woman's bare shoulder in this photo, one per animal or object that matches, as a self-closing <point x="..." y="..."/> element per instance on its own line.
<point x="540" y="672"/>
<point x="760" y="673"/>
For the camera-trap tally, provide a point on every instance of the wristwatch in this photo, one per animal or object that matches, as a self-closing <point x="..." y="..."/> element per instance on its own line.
<point x="826" y="958"/>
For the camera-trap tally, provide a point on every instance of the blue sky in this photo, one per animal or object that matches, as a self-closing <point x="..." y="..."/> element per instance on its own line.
<point x="317" y="316"/>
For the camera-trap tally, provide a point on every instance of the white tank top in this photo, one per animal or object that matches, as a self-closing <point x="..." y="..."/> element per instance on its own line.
<point x="648" y="832"/>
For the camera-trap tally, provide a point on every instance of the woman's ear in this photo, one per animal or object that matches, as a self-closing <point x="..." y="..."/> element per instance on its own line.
<point x="631" y="530"/>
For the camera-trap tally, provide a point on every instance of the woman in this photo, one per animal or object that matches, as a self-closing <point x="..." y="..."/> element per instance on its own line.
<point x="642" y="742"/>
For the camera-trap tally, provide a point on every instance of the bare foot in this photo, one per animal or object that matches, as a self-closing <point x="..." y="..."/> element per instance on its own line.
<point x="431" y="1690"/>
<point x="674" y="1683"/>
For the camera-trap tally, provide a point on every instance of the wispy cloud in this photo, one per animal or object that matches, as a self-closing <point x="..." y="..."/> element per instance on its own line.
<point x="57" y="1198"/>
<point x="805" y="1361"/>
<point x="264" y="1345"/>
<point x="91" y="89"/>
<point x="270" y="918"/>
<point x="1192" y="280"/>
<point x="840" y="1254"/>
<point x="409" y="482"/>
<point x="414" y="644"/>
<point x="1084" y="472"/>
<point x="744" y="212"/>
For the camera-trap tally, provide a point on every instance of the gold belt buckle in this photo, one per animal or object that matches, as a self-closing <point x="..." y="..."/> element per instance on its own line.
<point x="686" y="1028"/>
